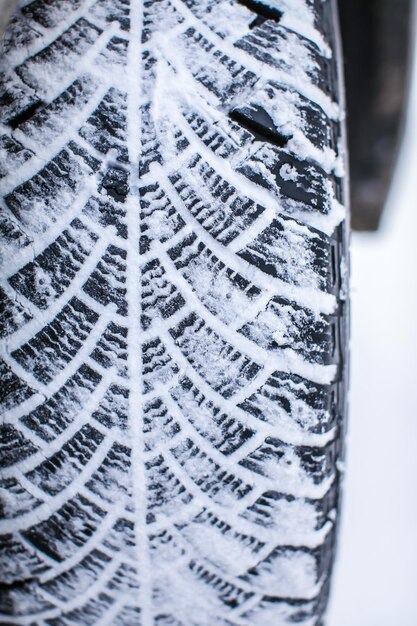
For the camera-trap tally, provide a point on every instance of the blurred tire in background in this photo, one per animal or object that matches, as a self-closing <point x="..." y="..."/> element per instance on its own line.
<point x="376" y="570"/>
<point x="6" y="9"/>
<point x="376" y="45"/>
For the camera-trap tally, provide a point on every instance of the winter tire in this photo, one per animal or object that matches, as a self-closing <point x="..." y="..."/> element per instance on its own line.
<point x="174" y="312"/>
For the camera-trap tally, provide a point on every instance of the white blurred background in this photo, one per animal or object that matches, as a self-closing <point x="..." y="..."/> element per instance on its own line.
<point x="375" y="580"/>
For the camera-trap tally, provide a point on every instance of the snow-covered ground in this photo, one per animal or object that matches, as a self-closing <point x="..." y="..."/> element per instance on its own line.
<point x="376" y="574"/>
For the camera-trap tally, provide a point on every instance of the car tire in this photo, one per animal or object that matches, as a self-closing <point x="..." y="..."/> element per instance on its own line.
<point x="174" y="325"/>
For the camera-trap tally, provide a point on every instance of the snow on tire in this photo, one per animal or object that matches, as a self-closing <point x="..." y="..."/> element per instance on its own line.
<point x="174" y="318"/>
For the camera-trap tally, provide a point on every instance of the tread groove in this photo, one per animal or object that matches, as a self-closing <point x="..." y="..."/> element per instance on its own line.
<point x="261" y="131"/>
<point x="263" y="11"/>
<point x="25" y="115"/>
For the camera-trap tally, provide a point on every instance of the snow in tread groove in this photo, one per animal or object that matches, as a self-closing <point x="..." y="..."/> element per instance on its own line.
<point x="183" y="438"/>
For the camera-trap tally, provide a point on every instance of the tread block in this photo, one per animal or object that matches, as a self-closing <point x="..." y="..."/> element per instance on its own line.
<point x="280" y="575"/>
<point x="279" y="248"/>
<point x="61" y="469"/>
<point x="281" y="461"/>
<point x="73" y="582"/>
<point x="224" y="431"/>
<point x="226" y="78"/>
<point x="12" y="155"/>
<point x="89" y="614"/>
<point x="231" y="595"/>
<point x="12" y="237"/>
<point x="13" y="390"/>
<point x="121" y="539"/>
<point x="113" y="409"/>
<point x="306" y="116"/>
<point x="20" y="33"/>
<point x="108" y="11"/>
<point x="160" y="298"/>
<point x="115" y="53"/>
<point x="15" y="98"/>
<point x="166" y="493"/>
<point x="112" y="480"/>
<point x="221" y="365"/>
<point x="283" y="513"/>
<point x="286" y="610"/>
<point x="18" y="562"/>
<point x="51" y="120"/>
<point x="48" y="13"/>
<point x="128" y="615"/>
<point x="284" y="324"/>
<point x="151" y="152"/>
<point x="51" y="273"/>
<point x="16" y="599"/>
<point x="283" y="48"/>
<point x="299" y="185"/>
<point x="213" y="137"/>
<point x="38" y="202"/>
<point x="224" y="292"/>
<point x="295" y="402"/>
<point x="60" y="540"/>
<point x="115" y="184"/>
<point x="59" y="58"/>
<point x="226" y="538"/>
<point x="24" y="115"/>
<point x="124" y="580"/>
<point x="52" y="348"/>
<point x="159" y="426"/>
<point x="158" y="366"/>
<point x="23" y="501"/>
<point x="159" y="219"/>
<point x="107" y="213"/>
<point x="107" y="282"/>
<point x="111" y="349"/>
<point x="211" y="478"/>
<point x="105" y="129"/>
<point x="224" y="213"/>
<point x="14" y="315"/>
<point x="14" y="446"/>
<point x="157" y="14"/>
<point x="52" y="417"/>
